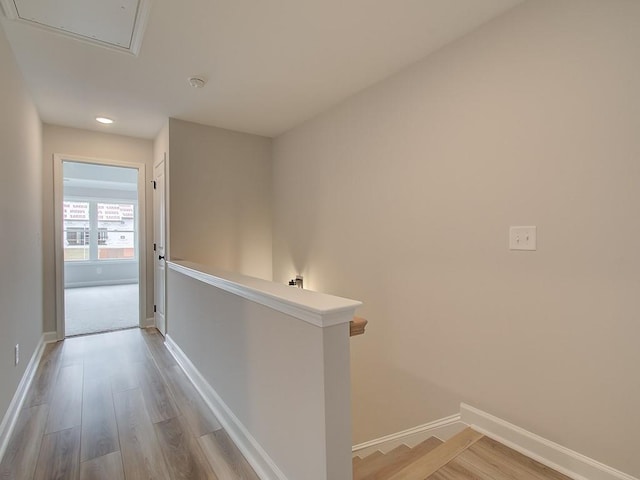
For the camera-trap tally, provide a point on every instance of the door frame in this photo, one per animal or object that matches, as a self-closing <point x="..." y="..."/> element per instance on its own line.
<point x="160" y="225"/>
<point x="58" y="198"/>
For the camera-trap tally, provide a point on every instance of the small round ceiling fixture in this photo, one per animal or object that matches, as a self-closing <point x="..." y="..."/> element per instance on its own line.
<point x="197" y="82"/>
<point x="104" y="120"/>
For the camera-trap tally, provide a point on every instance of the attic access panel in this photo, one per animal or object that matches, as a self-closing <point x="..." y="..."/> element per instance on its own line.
<point x="117" y="24"/>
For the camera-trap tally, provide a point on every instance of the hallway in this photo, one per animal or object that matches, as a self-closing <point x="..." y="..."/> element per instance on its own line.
<point x="117" y="406"/>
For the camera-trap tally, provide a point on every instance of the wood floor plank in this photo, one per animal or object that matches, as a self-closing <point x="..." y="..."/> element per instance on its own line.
<point x="100" y="365"/>
<point x="59" y="456"/>
<point x="73" y="351"/>
<point x="124" y="377"/>
<point x="225" y="458"/>
<point x="155" y="343"/>
<point x="454" y="471"/>
<point x="141" y="453"/>
<point x="135" y="350"/>
<point x="438" y="457"/>
<point x="157" y="396"/>
<point x="99" y="429"/>
<point x="19" y="461"/>
<point x="184" y="456"/>
<point x="100" y="402"/>
<point x="483" y="470"/>
<point x="190" y="404"/>
<point x="107" y="467"/>
<point x="66" y="404"/>
<point x="490" y="458"/>
<point x="373" y="456"/>
<point x="44" y="380"/>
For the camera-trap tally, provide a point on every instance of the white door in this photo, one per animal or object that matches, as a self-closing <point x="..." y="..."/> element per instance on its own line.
<point x="159" y="233"/>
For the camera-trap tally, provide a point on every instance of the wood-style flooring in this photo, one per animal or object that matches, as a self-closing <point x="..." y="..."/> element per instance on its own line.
<point x="469" y="455"/>
<point x="117" y="406"/>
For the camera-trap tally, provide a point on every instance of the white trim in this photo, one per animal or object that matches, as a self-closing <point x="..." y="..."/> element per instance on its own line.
<point x="149" y="322"/>
<point x="102" y="283"/>
<point x="58" y="190"/>
<point x="316" y="308"/>
<point x="9" y="9"/>
<point x="442" y="429"/>
<point x="11" y="416"/>
<point x="139" y="27"/>
<point x="551" y="454"/>
<point x="142" y="17"/>
<point x="263" y="465"/>
<point x="50" y="337"/>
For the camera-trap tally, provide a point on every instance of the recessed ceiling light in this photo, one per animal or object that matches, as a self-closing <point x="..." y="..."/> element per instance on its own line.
<point x="104" y="120"/>
<point x="197" y="82"/>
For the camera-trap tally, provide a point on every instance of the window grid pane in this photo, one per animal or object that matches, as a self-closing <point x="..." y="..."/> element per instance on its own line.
<point x="116" y="224"/>
<point x="76" y="231"/>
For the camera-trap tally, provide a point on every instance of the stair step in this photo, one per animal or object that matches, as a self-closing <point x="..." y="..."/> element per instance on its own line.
<point x="469" y="455"/>
<point x="382" y="468"/>
<point x="373" y="456"/>
<point x="369" y="465"/>
<point x="426" y="465"/>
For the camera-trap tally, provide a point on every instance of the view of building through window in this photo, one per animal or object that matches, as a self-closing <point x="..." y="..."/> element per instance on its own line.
<point x="98" y="231"/>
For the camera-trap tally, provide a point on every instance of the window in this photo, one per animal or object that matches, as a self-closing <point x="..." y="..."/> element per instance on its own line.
<point x="99" y="231"/>
<point x="77" y="236"/>
<point x="116" y="225"/>
<point x="76" y="231"/>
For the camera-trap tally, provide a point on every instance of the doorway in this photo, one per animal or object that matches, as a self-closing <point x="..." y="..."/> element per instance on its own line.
<point x="99" y="245"/>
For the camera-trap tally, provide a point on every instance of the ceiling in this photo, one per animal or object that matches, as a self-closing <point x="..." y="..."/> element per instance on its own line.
<point x="270" y="64"/>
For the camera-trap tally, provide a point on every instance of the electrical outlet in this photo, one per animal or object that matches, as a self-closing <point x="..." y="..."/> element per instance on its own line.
<point x="522" y="238"/>
<point x="17" y="354"/>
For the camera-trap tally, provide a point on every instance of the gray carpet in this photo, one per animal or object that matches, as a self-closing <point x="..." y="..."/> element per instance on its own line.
<point x="100" y="309"/>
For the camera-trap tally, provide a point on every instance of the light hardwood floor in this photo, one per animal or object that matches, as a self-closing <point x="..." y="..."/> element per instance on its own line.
<point x="117" y="406"/>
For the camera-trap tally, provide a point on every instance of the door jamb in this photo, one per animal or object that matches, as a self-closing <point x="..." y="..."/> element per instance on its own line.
<point x="58" y="195"/>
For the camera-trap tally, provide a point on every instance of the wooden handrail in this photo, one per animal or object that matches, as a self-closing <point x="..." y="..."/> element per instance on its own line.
<point x="356" y="326"/>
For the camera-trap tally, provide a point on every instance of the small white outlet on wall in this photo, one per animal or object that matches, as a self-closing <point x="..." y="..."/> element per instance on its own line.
<point x="522" y="238"/>
<point x="17" y="353"/>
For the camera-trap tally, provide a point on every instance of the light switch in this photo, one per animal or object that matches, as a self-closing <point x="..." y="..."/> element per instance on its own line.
<point x="522" y="238"/>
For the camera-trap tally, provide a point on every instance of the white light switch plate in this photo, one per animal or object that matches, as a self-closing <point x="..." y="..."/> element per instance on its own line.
<point x="522" y="238"/>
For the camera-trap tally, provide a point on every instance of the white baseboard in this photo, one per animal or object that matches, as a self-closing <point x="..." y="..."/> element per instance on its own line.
<point x="101" y="283"/>
<point x="562" y="459"/>
<point x="443" y="429"/>
<point x="50" y="337"/>
<point x="263" y="465"/>
<point x="149" y="322"/>
<point x="11" y="416"/>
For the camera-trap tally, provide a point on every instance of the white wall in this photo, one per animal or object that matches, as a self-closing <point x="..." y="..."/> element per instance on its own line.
<point x="285" y="380"/>
<point x="89" y="144"/>
<point x="220" y="198"/>
<point x="402" y="197"/>
<point x="20" y="225"/>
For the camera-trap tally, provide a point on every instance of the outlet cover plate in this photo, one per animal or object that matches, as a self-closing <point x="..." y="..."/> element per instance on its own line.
<point x="523" y="238"/>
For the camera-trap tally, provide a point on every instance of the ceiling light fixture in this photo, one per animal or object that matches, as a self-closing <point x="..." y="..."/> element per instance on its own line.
<point x="197" y="82"/>
<point x="104" y="120"/>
